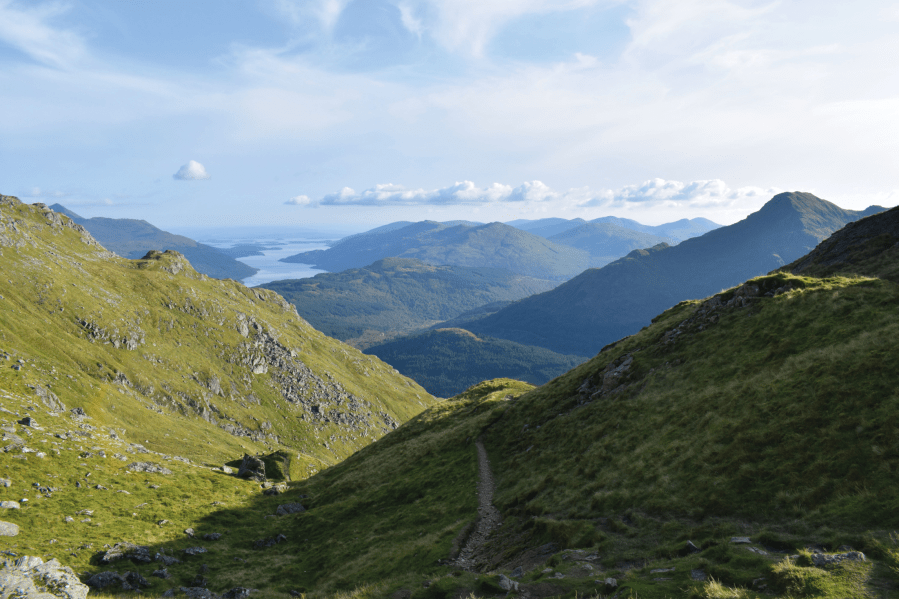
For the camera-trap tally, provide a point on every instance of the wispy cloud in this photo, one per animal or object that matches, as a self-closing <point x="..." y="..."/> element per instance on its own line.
<point x="655" y="192"/>
<point x="26" y="28"/>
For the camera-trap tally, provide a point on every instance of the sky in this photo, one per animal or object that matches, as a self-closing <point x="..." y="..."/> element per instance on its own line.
<point x="363" y="112"/>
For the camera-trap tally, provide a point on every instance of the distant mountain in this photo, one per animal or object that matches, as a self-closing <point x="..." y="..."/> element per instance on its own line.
<point x="398" y="295"/>
<point x="447" y="361"/>
<point x="678" y="230"/>
<point x="547" y="227"/>
<point x="603" y="305"/>
<point x="606" y="242"/>
<point x="493" y="245"/>
<point x="242" y="250"/>
<point x="130" y="238"/>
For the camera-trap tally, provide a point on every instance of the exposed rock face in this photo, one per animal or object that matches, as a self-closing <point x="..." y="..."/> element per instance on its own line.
<point x="31" y="578"/>
<point x="822" y="560"/>
<point x="149" y="467"/>
<point x="49" y="399"/>
<point x="252" y="468"/>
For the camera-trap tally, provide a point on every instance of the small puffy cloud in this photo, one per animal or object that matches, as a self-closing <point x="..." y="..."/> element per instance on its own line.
<point x="192" y="171"/>
<point x="712" y="193"/>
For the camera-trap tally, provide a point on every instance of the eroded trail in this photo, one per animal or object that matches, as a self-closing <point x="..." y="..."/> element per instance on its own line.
<point x="488" y="516"/>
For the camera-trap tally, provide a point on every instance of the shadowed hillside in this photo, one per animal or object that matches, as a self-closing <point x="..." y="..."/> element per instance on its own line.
<point x="602" y="305"/>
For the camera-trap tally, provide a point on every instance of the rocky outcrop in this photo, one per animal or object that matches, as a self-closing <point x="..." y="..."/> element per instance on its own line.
<point x="252" y="468"/>
<point x="148" y="467"/>
<point x="31" y="578"/>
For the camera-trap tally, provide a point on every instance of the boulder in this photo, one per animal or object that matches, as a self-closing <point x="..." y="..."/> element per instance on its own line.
<point x="136" y="553"/>
<point x="213" y="536"/>
<point x="28" y="421"/>
<point x="29" y="577"/>
<point x="101" y="580"/>
<point x="252" y="468"/>
<point x="517" y="572"/>
<point x="198" y="593"/>
<point x="822" y="560"/>
<point x="8" y="529"/>
<point x="161" y="573"/>
<point x="289" y="508"/>
<point x="507" y="584"/>
<point x="5" y="482"/>
<point x="148" y="467"/>
<point x="9" y="505"/>
<point x="194" y="550"/>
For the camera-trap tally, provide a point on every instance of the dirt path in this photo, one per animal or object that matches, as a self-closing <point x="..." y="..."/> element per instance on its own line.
<point x="488" y="516"/>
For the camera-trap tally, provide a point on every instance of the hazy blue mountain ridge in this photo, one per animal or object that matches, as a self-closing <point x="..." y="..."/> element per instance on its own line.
<point x="131" y="238"/>
<point x="603" y="305"/>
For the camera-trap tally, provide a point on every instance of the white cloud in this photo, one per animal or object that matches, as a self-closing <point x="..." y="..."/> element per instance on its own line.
<point x="192" y="171"/>
<point x="710" y="194"/>
<point x="28" y="30"/>
<point x="299" y="201"/>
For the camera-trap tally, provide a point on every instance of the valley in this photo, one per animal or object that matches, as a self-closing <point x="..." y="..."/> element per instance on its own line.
<point x="729" y="433"/>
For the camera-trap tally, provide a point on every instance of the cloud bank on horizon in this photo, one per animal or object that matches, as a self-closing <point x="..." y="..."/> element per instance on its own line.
<point x="313" y="96"/>
<point x="651" y="193"/>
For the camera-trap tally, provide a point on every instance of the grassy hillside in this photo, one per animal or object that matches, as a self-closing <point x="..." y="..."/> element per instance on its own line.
<point x="731" y="449"/>
<point x="446" y="362"/>
<point x="606" y="242"/>
<point x="132" y="238"/>
<point x="184" y="364"/>
<point x="494" y="245"/>
<point x="398" y="295"/>
<point x="602" y="305"/>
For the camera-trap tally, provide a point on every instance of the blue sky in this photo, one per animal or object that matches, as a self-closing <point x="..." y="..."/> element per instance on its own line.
<point x="305" y="112"/>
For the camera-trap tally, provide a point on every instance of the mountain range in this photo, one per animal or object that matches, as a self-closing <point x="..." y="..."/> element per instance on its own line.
<point x="678" y="230"/>
<point x="741" y="445"/>
<point x="398" y="295"/>
<point x="602" y="305"/>
<point x="130" y="238"/>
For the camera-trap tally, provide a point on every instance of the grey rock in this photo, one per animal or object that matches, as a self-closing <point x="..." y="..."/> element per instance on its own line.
<point x="198" y="593"/>
<point x="822" y="560"/>
<point x="740" y="540"/>
<point x="161" y="573"/>
<point x="691" y="548"/>
<point x="28" y="421"/>
<point x="69" y="519"/>
<point x="238" y="593"/>
<point x="101" y="580"/>
<point x="213" y="536"/>
<point x="661" y="570"/>
<point x="610" y="583"/>
<point x="290" y="508"/>
<point x="30" y="578"/>
<point x="9" y="505"/>
<point x="517" y="572"/>
<point x="194" y="550"/>
<point x="136" y="553"/>
<point x="199" y="581"/>
<point x="252" y="468"/>
<point x="5" y="482"/>
<point x="507" y="584"/>
<point x="189" y="532"/>
<point x="8" y="529"/>
<point x="49" y="399"/>
<point x="698" y="574"/>
<point x="167" y="560"/>
<point x="77" y="413"/>
<point x="148" y="467"/>
<point x="269" y="542"/>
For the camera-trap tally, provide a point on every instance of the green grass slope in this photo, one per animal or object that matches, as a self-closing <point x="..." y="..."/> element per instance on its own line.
<point x="184" y="364"/>
<point x="132" y="238"/>
<point x="398" y="295"/>
<point x="493" y="245"/>
<point x="602" y="305"/>
<point x="449" y="361"/>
